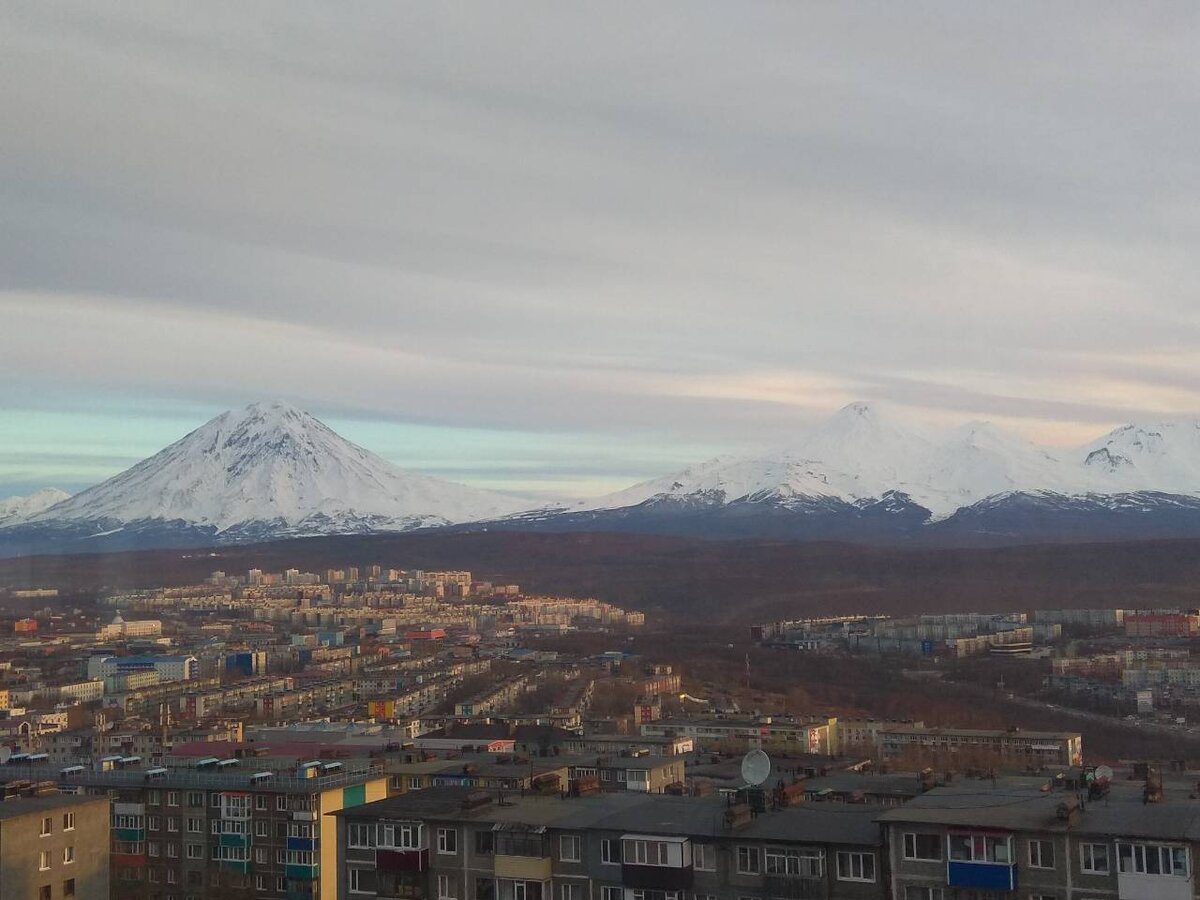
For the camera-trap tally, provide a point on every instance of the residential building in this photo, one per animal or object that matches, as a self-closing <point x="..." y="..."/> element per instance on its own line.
<point x="54" y="847"/>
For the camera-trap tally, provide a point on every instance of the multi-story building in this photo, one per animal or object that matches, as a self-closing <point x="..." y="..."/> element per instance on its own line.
<point x="453" y="843"/>
<point x="1052" y="748"/>
<point x="54" y="847"/>
<point x="212" y="827"/>
<point x="1016" y="839"/>
<point x="817" y="736"/>
<point x="119" y="629"/>
<point x="169" y="668"/>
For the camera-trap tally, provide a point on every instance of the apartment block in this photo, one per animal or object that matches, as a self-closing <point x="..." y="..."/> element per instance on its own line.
<point x="54" y="847"/>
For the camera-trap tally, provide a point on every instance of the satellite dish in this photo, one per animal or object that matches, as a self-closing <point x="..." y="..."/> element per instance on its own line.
<point x="1105" y="772"/>
<point x="756" y="768"/>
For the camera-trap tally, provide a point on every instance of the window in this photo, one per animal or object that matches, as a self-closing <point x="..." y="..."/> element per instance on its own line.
<point x="610" y="851"/>
<point x="704" y="857"/>
<point x="1152" y="859"/>
<point x="447" y="887"/>
<point x="172" y="798"/>
<point x="749" y="860"/>
<point x="44" y="892"/>
<point x="44" y="860"/>
<point x="69" y="821"/>
<point x="611" y="893"/>
<point x="360" y="836"/>
<point x="262" y="829"/>
<point x="485" y="842"/>
<point x="570" y="891"/>
<point x="281" y="802"/>
<point x="195" y="798"/>
<point x="414" y="782"/>
<point x="154" y="823"/>
<point x="646" y="853"/>
<point x="926" y="847"/>
<point x="568" y="849"/>
<point x="260" y="802"/>
<point x="447" y="840"/>
<point x="214" y="826"/>
<point x="173" y="851"/>
<point x="195" y="851"/>
<point x="214" y="799"/>
<point x="519" y="890"/>
<point x="260" y="856"/>
<point x="172" y="823"/>
<point x="485" y="889"/>
<point x="68" y="855"/>
<point x="806" y="863"/>
<point x="69" y="887"/>
<point x="260" y="882"/>
<point x="196" y="826"/>
<point x="1093" y="859"/>
<point x="855" y="866"/>
<point x="358" y="882"/>
<point x="916" y="892"/>
<point x="1041" y="854"/>
<point x="981" y="848"/>
<point x="47" y="826"/>
<point x="153" y="848"/>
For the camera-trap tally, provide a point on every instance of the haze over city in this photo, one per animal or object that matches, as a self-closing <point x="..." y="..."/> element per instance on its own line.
<point x="557" y="250"/>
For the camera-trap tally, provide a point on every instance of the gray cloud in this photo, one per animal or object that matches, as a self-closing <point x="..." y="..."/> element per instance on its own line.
<point x="701" y="220"/>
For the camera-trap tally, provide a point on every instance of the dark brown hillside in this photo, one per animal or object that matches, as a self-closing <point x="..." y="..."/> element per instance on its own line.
<point x="736" y="581"/>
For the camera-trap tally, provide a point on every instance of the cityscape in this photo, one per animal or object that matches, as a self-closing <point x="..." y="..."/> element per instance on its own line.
<point x="599" y="451"/>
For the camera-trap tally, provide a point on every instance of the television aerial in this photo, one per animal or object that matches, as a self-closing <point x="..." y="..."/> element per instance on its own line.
<point x="756" y="768"/>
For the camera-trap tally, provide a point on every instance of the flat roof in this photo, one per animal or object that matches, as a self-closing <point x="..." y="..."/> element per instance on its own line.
<point x="15" y="807"/>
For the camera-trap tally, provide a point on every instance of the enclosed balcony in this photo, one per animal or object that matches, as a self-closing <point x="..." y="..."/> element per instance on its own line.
<point x="522" y="853"/>
<point x="981" y="861"/>
<point x="656" y="863"/>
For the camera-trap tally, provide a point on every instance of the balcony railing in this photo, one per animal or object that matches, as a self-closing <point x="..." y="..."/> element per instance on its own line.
<point x="795" y="887"/>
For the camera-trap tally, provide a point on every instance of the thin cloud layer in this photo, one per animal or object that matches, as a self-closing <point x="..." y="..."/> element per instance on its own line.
<point x="700" y="224"/>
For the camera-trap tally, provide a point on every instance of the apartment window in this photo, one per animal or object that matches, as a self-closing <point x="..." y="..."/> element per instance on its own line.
<point x="646" y="853"/>
<point x="260" y="802"/>
<point x="485" y="889"/>
<point x="195" y="851"/>
<point x="260" y="882"/>
<point x="569" y="891"/>
<point x="414" y="782"/>
<point x="69" y="887"/>
<point x="195" y="798"/>
<point x="172" y="876"/>
<point x="704" y="857"/>
<point x="447" y="887"/>
<point x="447" y="840"/>
<point x="919" y="892"/>
<point x="1093" y="859"/>
<point x="195" y="826"/>
<point x="45" y="893"/>
<point x="214" y="799"/>
<point x="172" y="851"/>
<point x="981" y="848"/>
<point x="1041" y="854"/>
<point x="214" y="826"/>
<point x="172" y="798"/>
<point x="281" y="802"/>
<point x="359" y="882"/>
<point x="519" y="890"/>
<point x="262" y="829"/>
<point x="172" y="823"/>
<point x="611" y="893"/>
<point x="68" y="855"/>
<point x="485" y="843"/>
<point x="925" y="847"/>
<point x="44" y="860"/>
<point x="807" y="863"/>
<point x="568" y="849"/>
<point x="69" y="821"/>
<point x="47" y="826"/>
<point x="360" y="836"/>
<point x="749" y="860"/>
<point x="260" y="856"/>
<point x="154" y="823"/>
<point x="153" y="848"/>
<point x="280" y="857"/>
<point x="1152" y="859"/>
<point x="610" y="851"/>
<point x="855" y="866"/>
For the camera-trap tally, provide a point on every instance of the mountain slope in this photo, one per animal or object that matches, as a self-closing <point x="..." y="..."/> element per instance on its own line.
<point x="272" y="468"/>
<point x="15" y="510"/>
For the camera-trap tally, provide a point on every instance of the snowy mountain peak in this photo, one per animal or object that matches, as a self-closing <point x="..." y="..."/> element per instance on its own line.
<point x="15" y="510"/>
<point x="274" y="463"/>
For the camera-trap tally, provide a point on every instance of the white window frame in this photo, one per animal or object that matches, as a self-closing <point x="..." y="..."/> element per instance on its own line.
<point x="852" y="866"/>
<point x="360" y="836"/>
<point x="352" y="880"/>
<point x="704" y="857"/>
<point x="1037" y="854"/>
<point x="447" y="841"/>
<point x="447" y="887"/>
<point x="1088" y="857"/>
<point x="1139" y="859"/>
<point x="749" y="860"/>
<point x="610" y="851"/>
<point x="910" y="847"/>
<point x="575" y="844"/>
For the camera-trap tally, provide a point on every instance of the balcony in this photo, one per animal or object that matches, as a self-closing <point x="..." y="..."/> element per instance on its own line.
<point x="302" y="872"/>
<point x="656" y="878"/>
<point x="982" y="876"/>
<point x="795" y="887"/>
<point x="303" y="843"/>
<point x="240" y="866"/>
<point x="234" y="840"/>
<point x="401" y="860"/>
<point x="129" y="834"/>
<point x="524" y="868"/>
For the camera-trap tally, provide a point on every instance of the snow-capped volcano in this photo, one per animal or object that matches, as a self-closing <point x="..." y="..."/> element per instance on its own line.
<point x="272" y="466"/>
<point x="862" y="454"/>
<point x="14" y="510"/>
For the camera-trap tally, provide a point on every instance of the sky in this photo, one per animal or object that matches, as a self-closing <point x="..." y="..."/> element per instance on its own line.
<point x="557" y="248"/>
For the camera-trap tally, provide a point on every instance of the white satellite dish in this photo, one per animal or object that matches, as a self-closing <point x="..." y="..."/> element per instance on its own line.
<point x="1104" y="772"/>
<point x="756" y="768"/>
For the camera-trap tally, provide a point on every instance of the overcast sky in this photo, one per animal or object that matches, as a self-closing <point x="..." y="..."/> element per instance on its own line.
<point x="560" y="247"/>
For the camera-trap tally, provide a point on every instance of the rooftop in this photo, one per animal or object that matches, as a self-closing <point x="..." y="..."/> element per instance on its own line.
<point x="15" y="807"/>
